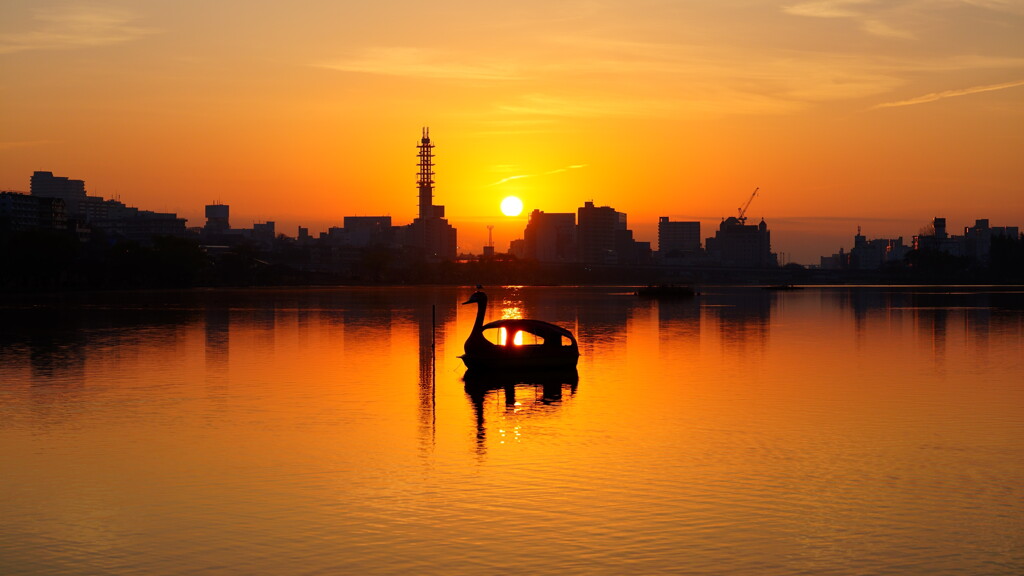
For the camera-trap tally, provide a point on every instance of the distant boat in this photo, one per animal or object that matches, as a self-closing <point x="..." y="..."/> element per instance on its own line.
<point x="517" y="344"/>
<point x="665" y="291"/>
<point x="783" y="287"/>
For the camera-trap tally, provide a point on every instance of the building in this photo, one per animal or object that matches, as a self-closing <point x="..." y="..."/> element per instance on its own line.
<point x="72" y="192"/>
<point x="975" y="244"/>
<point x="550" y="237"/>
<point x="111" y="216"/>
<point x="20" y="212"/>
<point x="264" y="233"/>
<point x="517" y="248"/>
<point x="978" y="239"/>
<point x="738" y="244"/>
<point x="366" y="231"/>
<point x="602" y="237"/>
<point x="218" y="220"/>
<point x="430" y="234"/>
<point x="873" y="254"/>
<point x="876" y="253"/>
<point x="678" y="239"/>
<point x="938" y="240"/>
<point x="598" y="234"/>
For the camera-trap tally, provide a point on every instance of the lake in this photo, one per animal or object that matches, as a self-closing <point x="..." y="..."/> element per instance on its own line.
<point x="826" y="430"/>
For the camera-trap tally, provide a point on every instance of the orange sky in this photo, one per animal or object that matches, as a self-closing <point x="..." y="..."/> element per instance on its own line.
<point x="843" y="112"/>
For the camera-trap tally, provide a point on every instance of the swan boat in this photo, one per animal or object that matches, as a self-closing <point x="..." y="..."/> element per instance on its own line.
<point x="517" y="344"/>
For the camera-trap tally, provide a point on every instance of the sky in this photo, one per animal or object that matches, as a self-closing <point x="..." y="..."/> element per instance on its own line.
<point x="843" y="113"/>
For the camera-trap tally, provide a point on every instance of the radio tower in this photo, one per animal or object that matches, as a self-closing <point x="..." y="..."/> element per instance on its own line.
<point x="426" y="176"/>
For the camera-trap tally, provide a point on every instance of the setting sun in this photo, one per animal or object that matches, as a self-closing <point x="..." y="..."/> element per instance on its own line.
<point x="511" y="206"/>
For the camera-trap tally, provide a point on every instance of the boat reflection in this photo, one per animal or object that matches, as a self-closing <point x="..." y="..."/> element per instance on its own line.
<point x="518" y="393"/>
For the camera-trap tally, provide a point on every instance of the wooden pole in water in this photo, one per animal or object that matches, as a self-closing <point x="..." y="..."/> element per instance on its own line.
<point x="433" y="370"/>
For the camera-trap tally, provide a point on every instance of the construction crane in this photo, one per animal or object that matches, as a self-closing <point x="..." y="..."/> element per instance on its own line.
<point x="743" y="210"/>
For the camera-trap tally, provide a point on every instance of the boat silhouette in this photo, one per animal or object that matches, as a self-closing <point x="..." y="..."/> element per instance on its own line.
<point x="517" y="344"/>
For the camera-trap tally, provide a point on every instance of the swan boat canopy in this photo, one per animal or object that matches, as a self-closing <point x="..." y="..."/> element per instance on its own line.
<point x="517" y="344"/>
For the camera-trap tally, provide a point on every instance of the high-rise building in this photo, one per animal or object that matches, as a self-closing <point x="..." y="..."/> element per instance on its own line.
<point x="599" y="234"/>
<point x="550" y="237"/>
<point x="72" y="192"/>
<point x="217" y="221"/>
<point x="430" y="233"/>
<point x="742" y="245"/>
<point x="677" y="239"/>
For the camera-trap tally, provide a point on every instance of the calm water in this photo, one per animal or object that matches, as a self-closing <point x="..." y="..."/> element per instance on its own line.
<point x="818" y="431"/>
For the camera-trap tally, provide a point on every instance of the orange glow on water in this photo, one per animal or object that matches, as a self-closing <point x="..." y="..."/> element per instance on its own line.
<point x="511" y="312"/>
<point x="292" y="417"/>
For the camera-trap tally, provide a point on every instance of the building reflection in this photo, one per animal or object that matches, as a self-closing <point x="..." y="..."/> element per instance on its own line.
<point x="971" y="313"/>
<point x="57" y="358"/>
<point x="679" y="323"/>
<point x="55" y="335"/>
<point x="602" y="320"/>
<point x="743" y="317"/>
<point x="217" y="336"/>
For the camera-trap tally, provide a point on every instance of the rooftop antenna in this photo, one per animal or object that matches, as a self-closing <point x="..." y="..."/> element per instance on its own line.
<point x="490" y="238"/>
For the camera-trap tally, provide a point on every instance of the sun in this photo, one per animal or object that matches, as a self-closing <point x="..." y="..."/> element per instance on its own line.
<point x="511" y="206"/>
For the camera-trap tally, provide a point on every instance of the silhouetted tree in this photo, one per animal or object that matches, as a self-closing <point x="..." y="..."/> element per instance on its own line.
<point x="935" y="265"/>
<point x="1006" y="258"/>
<point x="177" y="262"/>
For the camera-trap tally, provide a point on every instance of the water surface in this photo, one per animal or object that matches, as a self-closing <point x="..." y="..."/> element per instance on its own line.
<point x="324" y="431"/>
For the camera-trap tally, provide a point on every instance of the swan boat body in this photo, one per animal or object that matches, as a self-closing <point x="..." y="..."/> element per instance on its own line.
<point x="522" y="344"/>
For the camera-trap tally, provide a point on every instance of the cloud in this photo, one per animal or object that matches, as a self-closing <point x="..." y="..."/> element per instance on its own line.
<point x="75" y="27"/>
<point x="566" y="169"/>
<point x="509" y="179"/>
<point x="549" y="172"/>
<point x="869" y="23"/>
<point x="826" y="8"/>
<point x="950" y="94"/>
<point x="417" y="63"/>
<point x="544" y="105"/>
<point x="879" y="28"/>
<point x="1010" y="6"/>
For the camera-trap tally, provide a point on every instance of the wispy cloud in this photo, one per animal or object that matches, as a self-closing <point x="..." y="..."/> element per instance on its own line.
<point x="826" y="8"/>
<point x="75" y="27"/>
<point x="549" y="172"/>
<point x="864" y="12"/>
<point x="1010" y="6"/>
<point x="509" y="179"/>
<point x="418" y="63"/>
<point x="880" y="28"/>
<point x="544" y="105"/>
<point x="24" y="144"/>
<point x="950" y="94"/>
